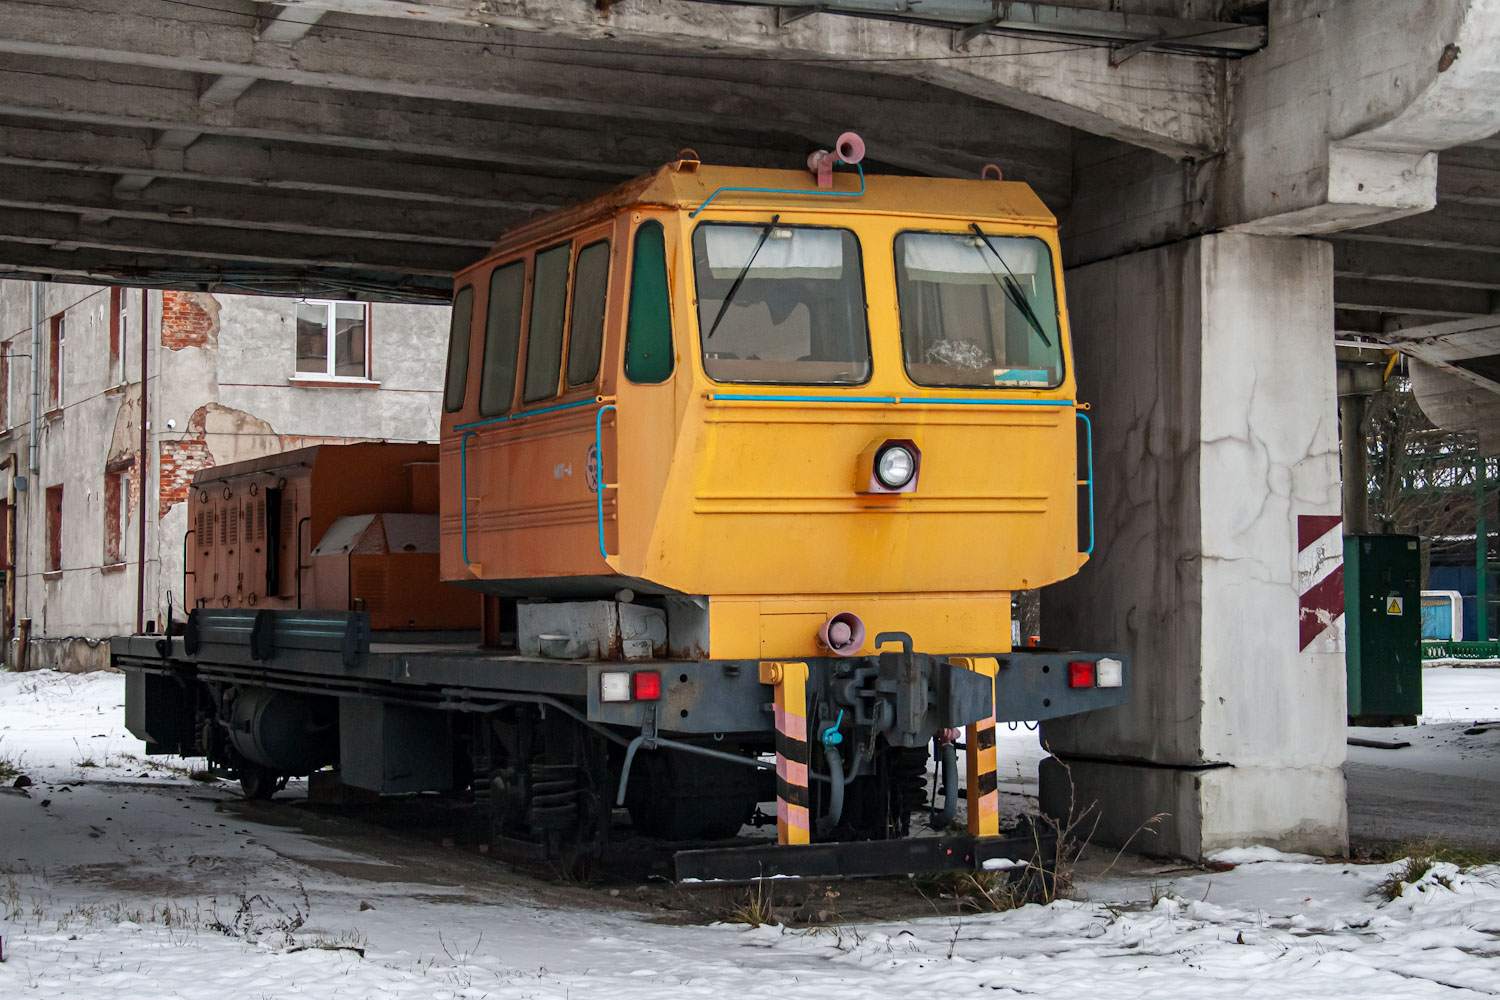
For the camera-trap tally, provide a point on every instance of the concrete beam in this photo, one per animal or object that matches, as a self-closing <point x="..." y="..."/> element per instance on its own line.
<point x="64" y="231"/>
<point x="147" y="99"/>
<point x="1354" y="100"/>
<point x="92" y="266"/>
<point x="1401" y="262"/>
<point x="280" y="29"/>
<point x="1452" y="226"/>
<point x="271" y="167"/>
<point x="149" y="33"/>
<point x="185" y="203"/>
<point x="566" y="146"/>
<point x="1412" y="299"/>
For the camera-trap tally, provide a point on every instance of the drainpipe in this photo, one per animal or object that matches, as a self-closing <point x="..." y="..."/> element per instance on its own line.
<point x="141" y="470"/>
<point x="9" y="465"/>
<point x="33" y="460"/>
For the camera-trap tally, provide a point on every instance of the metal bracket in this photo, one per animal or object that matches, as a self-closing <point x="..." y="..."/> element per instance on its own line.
<point x="791" y="15"/>
<point x="963" y="36"/>
<point x="1119" y="53"/>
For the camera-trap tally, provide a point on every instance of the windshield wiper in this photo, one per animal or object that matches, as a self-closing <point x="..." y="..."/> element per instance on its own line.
<point x="1010" y="286"/>
<point x="740" y="278"/>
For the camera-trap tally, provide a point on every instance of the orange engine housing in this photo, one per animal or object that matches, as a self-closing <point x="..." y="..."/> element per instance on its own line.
<point x="348" y="527"/>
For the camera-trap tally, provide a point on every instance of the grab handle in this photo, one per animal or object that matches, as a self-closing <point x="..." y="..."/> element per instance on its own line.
<point x="1088" y="480"/>
<point x="599" y="483"/>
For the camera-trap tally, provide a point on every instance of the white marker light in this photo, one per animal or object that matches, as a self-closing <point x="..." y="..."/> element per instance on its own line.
<point x="614" y="686"/>
<point x="1109" y="673"/>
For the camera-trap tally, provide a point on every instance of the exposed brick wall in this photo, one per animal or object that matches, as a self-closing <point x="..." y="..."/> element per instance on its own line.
<point x="180" y="460"/>
<point x="189" y="319"/>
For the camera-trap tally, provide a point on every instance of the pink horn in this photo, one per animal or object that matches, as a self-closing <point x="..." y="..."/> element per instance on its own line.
<point x="850" y="148"/>
<point x="843" y="634"/>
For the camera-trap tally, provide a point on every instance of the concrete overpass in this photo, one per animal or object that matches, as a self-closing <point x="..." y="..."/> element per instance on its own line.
<point x="1241" y="183"/>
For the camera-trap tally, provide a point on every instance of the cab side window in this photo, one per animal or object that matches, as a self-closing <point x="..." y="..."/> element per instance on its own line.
<point x="586" y="331"/>
<point x="502" y="336"/>
<point x="648" y="333"/>
<point x="549" y="313"/>
<point x="458" y="350"/>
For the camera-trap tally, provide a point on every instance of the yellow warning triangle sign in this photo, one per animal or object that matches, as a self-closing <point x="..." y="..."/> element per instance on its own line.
<point x="1394" y="605"/>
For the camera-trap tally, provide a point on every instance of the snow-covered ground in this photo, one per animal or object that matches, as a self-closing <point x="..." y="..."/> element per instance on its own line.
<point x="1446" y="783"/>
<point x="122" y="878"/>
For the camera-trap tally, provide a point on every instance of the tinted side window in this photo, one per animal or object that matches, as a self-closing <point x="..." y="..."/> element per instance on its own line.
<point x="458" y="350"/>
<point x="549" y="311"/>
<point x="586" y="333"/>
<point x="648" y="336"/>
<point x="502" y="334"/>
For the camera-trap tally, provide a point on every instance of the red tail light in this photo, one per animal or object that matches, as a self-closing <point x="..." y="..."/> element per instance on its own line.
<point x="1081" y="674"/>
<point x="645" y="685"/>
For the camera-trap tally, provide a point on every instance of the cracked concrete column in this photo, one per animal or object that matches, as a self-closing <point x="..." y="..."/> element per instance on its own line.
<point x="1209" y="363"/>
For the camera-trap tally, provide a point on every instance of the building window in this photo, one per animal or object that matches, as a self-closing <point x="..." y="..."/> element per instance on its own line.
<point x="116" y="515"/>
<point x="56" y="359"/>
<point x="54" y="528"/>
<point x="333" y="340"/>
<point x="119" y="333"/>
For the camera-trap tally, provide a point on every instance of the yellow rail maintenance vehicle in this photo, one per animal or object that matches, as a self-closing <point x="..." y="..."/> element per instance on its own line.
<point x="746" y="467"/>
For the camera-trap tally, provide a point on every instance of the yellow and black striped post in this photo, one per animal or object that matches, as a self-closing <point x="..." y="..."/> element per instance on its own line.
<point x="792" y="817"/>
<point x="980" y="758"/>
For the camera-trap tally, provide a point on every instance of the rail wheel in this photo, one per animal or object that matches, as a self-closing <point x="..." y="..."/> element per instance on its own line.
<point x="259" y="783"/>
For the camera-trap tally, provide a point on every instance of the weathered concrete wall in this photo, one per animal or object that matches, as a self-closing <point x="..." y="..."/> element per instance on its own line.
<point x="1210" y="367"/>
<point x="86" y="598"/>
<point x="220" y="390"/>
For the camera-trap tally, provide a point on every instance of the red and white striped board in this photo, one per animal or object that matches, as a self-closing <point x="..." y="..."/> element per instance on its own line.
<point x="1320" y="582"/>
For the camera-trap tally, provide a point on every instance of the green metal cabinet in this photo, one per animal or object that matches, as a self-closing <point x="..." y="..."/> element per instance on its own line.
<point x="1383" y="619"/>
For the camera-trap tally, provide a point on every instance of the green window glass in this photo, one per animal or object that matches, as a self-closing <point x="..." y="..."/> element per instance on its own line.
<point x="648" y="335"/>
<point x="502" y="336"/>
<point x="458" y="350"/>
<point x="586" y="333"/>
<point x="549" y="314"/>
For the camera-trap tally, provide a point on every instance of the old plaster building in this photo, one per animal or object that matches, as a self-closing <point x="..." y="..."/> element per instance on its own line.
<point x="226" y="377"/>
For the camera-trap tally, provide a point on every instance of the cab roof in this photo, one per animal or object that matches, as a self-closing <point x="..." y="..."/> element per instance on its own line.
<point x="686" y="184"/>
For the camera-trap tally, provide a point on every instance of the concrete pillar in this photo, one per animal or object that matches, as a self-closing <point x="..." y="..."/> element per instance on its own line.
<point x="1210" y="368"/>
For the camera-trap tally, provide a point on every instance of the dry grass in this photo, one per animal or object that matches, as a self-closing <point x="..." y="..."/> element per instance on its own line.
<point x="758" y="907"/>
<point x="1415" y="859"/>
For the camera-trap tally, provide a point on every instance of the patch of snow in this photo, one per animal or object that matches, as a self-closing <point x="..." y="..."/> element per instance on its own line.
<point x="1257" y="854"/>
<point x="123" y="887"/>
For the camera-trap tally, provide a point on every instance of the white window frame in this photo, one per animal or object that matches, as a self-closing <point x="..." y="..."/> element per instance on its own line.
<point x="59" y="323"/>
<point x="331" y="314"/>
<point x="119" y="365"/>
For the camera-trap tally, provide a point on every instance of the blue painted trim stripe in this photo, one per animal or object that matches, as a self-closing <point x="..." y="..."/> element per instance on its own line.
<point x="747" y="397"/>
<point x="752" y="397"/>
<point x="507" y="418"/>
<point x="954" y="401"/>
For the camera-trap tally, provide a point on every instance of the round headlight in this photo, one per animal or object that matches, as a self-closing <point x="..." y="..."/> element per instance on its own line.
<point x="895" y="466"/>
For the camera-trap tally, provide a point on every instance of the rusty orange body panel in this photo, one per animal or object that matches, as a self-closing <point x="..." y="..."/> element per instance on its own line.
<point x="257" y="527"/>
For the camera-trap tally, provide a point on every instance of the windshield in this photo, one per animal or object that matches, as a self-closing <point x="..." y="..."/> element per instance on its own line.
<point x="781" y="304"/>
<point x="978" y="310"/>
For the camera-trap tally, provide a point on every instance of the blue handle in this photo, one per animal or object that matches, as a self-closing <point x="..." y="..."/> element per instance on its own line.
<point x="599" y="481"/>
<point x="463" y="489"/>
<point x="1088" y="428"/>
<point x="803" y="192"/>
